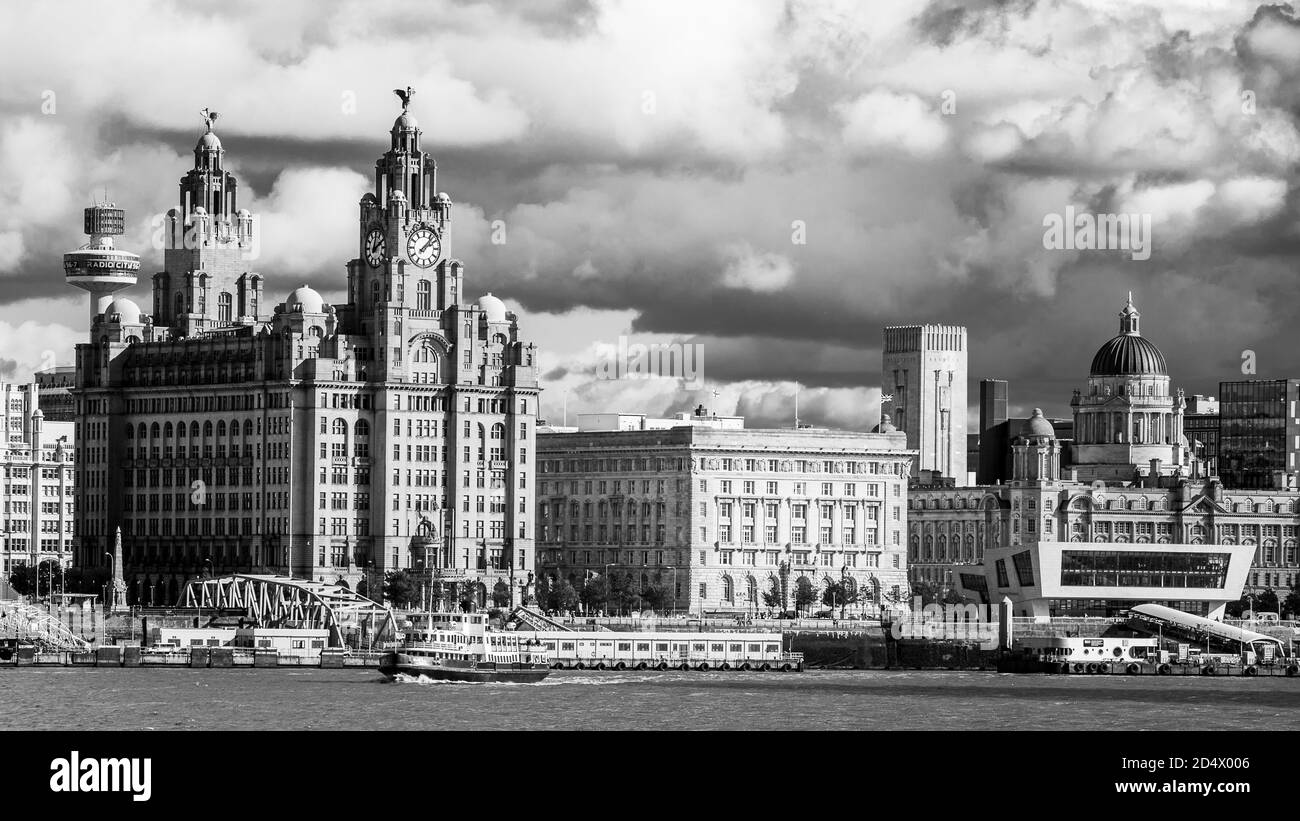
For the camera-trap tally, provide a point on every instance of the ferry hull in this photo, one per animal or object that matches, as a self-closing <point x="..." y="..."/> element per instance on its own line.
<point x="449" y="670"/>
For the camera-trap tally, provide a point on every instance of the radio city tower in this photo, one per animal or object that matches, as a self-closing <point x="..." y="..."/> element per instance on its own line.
<point x="97" y="266"/>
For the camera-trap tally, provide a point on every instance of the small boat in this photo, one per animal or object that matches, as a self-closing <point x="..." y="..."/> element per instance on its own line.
<point x="460" y="647"/>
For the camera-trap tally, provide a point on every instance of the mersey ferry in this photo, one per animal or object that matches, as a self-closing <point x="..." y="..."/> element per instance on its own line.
<point x="460" y="647"/>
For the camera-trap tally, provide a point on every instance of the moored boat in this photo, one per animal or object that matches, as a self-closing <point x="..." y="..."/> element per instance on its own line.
<point x="460" y="647"/>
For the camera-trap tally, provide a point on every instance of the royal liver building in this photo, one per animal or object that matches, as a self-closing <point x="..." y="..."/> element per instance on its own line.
<point x="330" y="442"/>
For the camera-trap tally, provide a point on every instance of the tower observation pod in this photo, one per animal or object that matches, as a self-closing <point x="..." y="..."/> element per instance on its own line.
<point x="97" y="266"/>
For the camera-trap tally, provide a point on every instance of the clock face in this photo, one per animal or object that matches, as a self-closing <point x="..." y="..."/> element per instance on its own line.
<point x="375" y="247"/>
<point x="424" y="246"/>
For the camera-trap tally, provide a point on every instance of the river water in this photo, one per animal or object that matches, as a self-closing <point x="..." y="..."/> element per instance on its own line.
<point x="243" y="699"/>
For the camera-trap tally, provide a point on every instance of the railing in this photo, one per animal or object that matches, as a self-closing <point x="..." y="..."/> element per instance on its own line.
<point x="669" y="624"/>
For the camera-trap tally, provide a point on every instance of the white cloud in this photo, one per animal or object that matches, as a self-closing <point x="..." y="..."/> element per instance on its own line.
<point x="308" y="224"/>
<point x="883" y="120"/>
<point x="753" y="271"/>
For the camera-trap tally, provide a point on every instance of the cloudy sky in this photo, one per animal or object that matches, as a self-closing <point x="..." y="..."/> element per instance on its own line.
<point x="772" y="181"/>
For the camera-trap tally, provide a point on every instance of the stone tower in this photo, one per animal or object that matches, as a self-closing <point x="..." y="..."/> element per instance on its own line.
<point x="923" y="367"/>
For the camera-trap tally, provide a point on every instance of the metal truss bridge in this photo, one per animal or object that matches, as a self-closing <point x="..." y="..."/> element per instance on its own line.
<point x="534" y="620"/>
<point x="27" y="623"/>
<point x="280" y="601"/>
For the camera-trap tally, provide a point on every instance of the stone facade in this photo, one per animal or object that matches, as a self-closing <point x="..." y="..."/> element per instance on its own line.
<point x="716" y="516"/>
<point x="38" y="483"/>
<point x="329" y="442"/>
<point x="923" y="369"/>
<point x="951" y="528"/>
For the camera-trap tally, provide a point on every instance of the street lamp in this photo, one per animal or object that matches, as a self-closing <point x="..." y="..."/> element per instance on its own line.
<point x="674" y="569"/>
<point x="106" y="584"/>
<point x="203" y="588"/>
<point x="609" y="588"/>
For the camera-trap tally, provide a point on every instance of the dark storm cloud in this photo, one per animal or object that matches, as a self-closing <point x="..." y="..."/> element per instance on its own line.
<point x="829" y="117"/>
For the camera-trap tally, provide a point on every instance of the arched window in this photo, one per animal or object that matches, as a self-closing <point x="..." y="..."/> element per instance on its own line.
<point x="194" y="430"/>
<point x="498" y="431"/>
<point x="207" y="429"/>
<point x="225" y="312"/>
<point x="362" y="428"/>
<point x="751" y="589"/>
<point x="221" y="428"/>
<point x="180" y="305"/>
<point x="423" y="296"/>
<point x="130" y="431"/>
<point x="167" y="430"/>
<point x="248" y="427"/>
<point x="728" y="590"/>
<point x="340" y="427"/>
<point x="141" y="432"/>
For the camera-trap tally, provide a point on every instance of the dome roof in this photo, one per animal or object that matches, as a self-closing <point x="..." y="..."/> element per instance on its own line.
<point x="208" y="142"/>
<point x="304" y="300"/>
<point x="493" y="307"/>
<point x="123" y="310"/>
<point x="1037" y="425"/>
<point x="886" y="425"/>
<point x="1129" y="354"/>
<point x="405" y="123"/>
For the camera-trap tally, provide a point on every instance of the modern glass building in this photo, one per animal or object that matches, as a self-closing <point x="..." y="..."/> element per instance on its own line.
<point x="1048" y="579"/>
<point x="1259" y="431"/>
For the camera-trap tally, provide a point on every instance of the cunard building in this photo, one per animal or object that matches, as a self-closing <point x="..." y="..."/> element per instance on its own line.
<point x="221" y="433"/>
<point x="714" y="516"/>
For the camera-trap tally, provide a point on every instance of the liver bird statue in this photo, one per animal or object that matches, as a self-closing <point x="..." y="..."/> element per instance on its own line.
<point x="405" y="96"/>
<point x="209" y="117"/>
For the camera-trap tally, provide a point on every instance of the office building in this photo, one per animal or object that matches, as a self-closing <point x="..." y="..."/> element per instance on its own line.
<point x="713" y="517"/>
<point x="1201" y="427"/>
<point x="334" y="443"/>
<point x="1259" y="432"/>
<point x="38" y="483"/>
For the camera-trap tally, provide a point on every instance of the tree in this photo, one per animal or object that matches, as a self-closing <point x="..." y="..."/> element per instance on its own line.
<point x="804" y="594"/>
<point x="595" y="593"/>
<point x="1266" y="602"/>
<point x="1292" y="602"/>
<point x="654" y="595"/>
<point x="838" y="594"/>
<point x="400" y="589"/>
<point x="501" y="594"/>
<point x="620" y="592"/>
<point x="772" y="597"/>
<point x="23" y="579"/>
<point x="562" y="597"/>
<point x="1235" y="609"/>
<point x="929" y="592"/>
